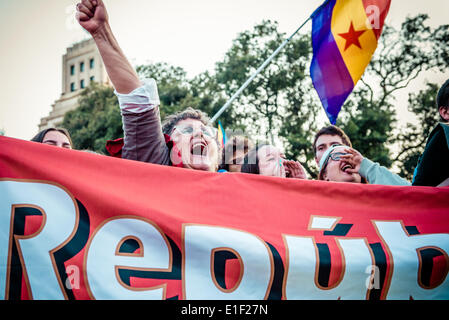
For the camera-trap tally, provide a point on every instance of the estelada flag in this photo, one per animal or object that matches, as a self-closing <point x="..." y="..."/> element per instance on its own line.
<point x="344" y="37"/>
<point x="77" y="225"/>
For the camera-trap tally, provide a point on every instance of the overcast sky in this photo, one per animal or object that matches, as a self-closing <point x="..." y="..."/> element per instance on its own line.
<point x="192" y="34"/>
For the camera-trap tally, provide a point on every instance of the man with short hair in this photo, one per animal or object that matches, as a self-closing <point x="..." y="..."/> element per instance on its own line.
<point x="327" y="137"/>
<point x="433" y="165"/>
<point x="371" y="171"/>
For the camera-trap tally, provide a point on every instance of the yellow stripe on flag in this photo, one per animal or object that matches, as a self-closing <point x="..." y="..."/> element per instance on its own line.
<point x="356" y="59"/>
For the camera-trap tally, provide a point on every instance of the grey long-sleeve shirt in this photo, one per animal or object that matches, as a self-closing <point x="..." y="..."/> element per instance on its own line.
<point x="143" y="140"/>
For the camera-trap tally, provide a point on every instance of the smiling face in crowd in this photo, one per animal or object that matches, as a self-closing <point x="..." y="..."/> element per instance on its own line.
<point x="270" y="161"/>
<point x="197" y="144"/>
<point x="57" y="139"/>
<point x="323" y="142"/>
<point x="336" y="170"/>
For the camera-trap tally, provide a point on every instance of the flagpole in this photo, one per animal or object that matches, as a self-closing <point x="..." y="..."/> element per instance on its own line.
<point x="259" y="70"/>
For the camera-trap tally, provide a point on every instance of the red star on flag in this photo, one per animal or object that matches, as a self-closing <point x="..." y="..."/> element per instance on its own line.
<point x="352" y="37"/>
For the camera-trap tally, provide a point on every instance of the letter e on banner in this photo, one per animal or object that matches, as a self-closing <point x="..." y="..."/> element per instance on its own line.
<point x="103" y="259"/>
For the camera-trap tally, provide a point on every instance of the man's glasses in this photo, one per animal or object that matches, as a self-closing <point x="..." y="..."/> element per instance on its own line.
<point x="336" y="156"/>
<point x="187" y="130"/>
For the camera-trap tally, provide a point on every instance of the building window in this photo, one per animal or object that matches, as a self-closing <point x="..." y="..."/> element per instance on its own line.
<point x="92" y="79"/>
<point x="82" y="84"/>
<point x="81" y="66"/>
<point x="92" y="63"/>
<point x="72" y="70"/>
<point x="72" y="87"/>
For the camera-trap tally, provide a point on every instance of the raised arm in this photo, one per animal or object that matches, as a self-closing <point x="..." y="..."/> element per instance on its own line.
<point x="93" y="17"/>
<point x="143" y="138"/>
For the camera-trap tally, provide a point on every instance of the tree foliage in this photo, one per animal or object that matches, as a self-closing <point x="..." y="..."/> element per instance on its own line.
<point x="269" y="98"/>
<point x="177" y="92"/>
<point x="96" y="120"/>
<point x="413" y="137"/>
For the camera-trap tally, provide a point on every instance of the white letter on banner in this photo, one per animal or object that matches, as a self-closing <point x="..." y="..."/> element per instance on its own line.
<point x="256" y="258"/>
<point x="403" y="248"/>
<point x="302" y="267"/>
<point x="60" y="220"/>
<point x="104" y="259"/>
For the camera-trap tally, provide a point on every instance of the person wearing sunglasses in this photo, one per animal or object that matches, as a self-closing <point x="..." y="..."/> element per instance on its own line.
<point x="194" y="141"/>
<point x="186" y="139"/>
<point x="333" y="167"/>
<point x="351" y="162"/>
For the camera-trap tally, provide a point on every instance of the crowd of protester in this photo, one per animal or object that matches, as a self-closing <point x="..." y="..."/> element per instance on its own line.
<point x="187" y="139"/>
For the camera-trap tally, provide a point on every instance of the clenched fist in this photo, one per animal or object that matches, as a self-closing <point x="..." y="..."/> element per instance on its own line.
<point x="91" y="15"/>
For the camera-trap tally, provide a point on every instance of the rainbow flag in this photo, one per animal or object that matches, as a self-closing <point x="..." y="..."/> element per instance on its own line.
<point x="221" y="134"/>
<point x="344" y="38"/>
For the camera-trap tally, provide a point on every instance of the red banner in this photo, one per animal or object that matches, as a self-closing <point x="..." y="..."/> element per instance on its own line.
<point x="77" y="225"/>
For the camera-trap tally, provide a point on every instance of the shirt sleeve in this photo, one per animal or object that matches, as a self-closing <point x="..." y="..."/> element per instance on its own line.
<point x="376" y="174"/>
<point x="141" y="99"/>
<point x="143" y="140"/>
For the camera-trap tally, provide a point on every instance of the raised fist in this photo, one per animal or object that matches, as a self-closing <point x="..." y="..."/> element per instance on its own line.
<point x="91" y="15"/>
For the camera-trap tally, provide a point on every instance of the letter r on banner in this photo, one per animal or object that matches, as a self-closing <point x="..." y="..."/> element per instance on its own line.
<point x="60" y="220"/>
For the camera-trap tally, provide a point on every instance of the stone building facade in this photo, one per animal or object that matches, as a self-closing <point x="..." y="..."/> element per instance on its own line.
<point x="81" y="65"/>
